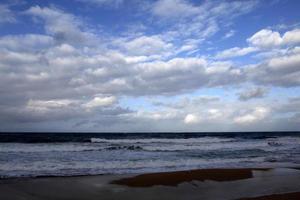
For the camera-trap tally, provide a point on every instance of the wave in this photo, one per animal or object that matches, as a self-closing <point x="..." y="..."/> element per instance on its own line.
<point x="163" y="140"/>
<point x="157" y="145"/>
<point x="43" y="148"/>
<point x="116" y="167"/>
<point x="54" y="147"/>
<point x="86" y="137"/>
<point x="130" y="147"/>
<point x="104" y="156"/>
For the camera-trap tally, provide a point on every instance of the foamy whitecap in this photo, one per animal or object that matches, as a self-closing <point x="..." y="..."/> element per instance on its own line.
<point x="47" y="147"/>
<point x="163" y="140"/>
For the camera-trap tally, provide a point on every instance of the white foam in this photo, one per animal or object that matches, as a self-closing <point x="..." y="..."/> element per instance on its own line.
<point x="162" y="140"/>
<point x="48" y="147"/>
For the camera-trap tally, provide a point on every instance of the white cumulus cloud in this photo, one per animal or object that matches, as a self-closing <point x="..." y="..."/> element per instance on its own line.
<point x="267" y="38"/>
<point x="235" y="52"/>
<point x="192" y="119"/>
<point x="258" y="113"/>
<point x="101" y="102"/>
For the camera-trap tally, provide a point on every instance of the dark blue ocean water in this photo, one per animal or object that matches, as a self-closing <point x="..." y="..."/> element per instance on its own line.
<point x="67" y="154"/>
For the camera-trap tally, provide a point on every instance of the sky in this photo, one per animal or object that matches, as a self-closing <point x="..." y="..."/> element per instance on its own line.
<point x="149" y="66"/>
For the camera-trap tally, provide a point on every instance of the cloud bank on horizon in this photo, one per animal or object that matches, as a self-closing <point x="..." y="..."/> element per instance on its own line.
<point x="157" y="65"/>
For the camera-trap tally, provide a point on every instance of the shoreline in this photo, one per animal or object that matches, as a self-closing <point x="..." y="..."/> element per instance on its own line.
<point x="136" y="174"/>
<point x="145" y="173"/>
<point x="230" y="183"/>
<point x="177" y="177"/>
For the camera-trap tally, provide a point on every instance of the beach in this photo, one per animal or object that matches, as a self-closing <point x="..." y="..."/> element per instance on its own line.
<point x="245" y="183"/>
<point x="221" y="166"/>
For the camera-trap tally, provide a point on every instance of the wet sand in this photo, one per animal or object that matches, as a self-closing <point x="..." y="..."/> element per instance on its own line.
<point x="286" y="196"/>
<point x="194" y="184"/>
<point x="175" y="178"/>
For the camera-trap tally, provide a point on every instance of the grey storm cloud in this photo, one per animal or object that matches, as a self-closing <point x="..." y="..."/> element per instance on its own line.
<point x="252" y="93"/>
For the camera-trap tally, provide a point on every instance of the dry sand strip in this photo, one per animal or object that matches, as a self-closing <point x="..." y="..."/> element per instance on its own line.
<point x="286" y="196"/>
<point x="175" y="178"/>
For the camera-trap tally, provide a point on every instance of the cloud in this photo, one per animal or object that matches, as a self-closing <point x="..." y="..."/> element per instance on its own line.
<point x="291" y="106"/>
<point x="285" y="63"/>
<point x="278" y="71"/>
<point x="119" y="75"/>
<point x="76" y="76"/>
<point x="114" y="3"/>
<point x="258" y="113"/>
<point x="183" y="8"/>
<point x="167" y="77"/>
<point x="229" y="34"/>
<point x="47" y="105"/>
<point x="26" y="42"/>
<point x="100" y="102"/>
<point x="271" y="53"/>
<point x="209" y="111"/>
<point x="155" y="115"/>
<point x="267" y="38"/>
<point x="195" y="110"/>
<point x="192" y="119"/>
<point x="146" y="46"/>
<point x="291" y="37"/>
<point x="184" y="20"/>
<point x="62" y="26"/>
<point x="174" y="8"/>
<point x="235" y="52"/>
<point x="214" y="114"/>
<point x="63" y="110"/>
<point x="185" y="102"/>
<point x="115" y="73"/>
<point x="6" y="15"/>
<point x="17" y="58"/>
<point x="252" y="93"/>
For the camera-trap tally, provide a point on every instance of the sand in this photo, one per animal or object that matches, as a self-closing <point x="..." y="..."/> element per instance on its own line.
<point x="285" y="196"/>
<point x="175" y="178"/>
<point x="194" y="184"/>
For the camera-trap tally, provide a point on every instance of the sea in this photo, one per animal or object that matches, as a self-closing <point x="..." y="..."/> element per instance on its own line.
<point x="74" y="154"/>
